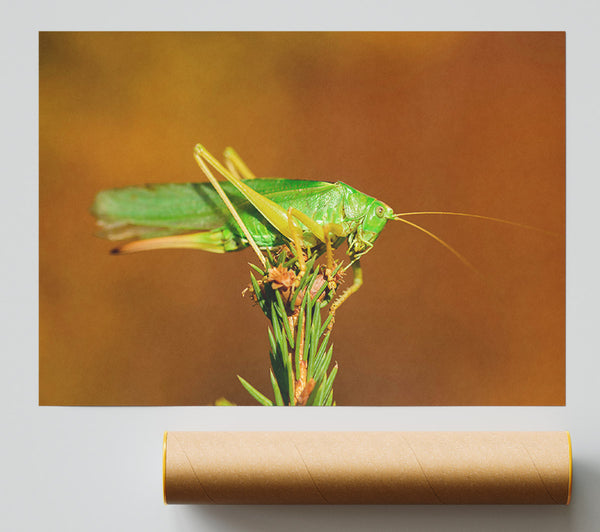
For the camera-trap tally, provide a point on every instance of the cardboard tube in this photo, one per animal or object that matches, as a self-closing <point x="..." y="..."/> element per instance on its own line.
<point x="367" y="467"/>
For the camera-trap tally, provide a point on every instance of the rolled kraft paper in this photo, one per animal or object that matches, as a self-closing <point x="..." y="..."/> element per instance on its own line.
<point x="367" y="467"/>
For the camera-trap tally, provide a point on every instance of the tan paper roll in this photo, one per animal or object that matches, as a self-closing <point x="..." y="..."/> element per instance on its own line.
<point x="367" y="467"/>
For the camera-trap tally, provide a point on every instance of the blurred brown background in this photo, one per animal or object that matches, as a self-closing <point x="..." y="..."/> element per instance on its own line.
<point x="470" y="122"/>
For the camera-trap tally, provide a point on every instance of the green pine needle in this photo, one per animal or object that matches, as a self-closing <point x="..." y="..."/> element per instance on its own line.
<point x="276" y="390"/>
<point x="255" y="393"/>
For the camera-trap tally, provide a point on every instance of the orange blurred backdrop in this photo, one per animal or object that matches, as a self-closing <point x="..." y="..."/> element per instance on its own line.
<point x="468" y="122"/>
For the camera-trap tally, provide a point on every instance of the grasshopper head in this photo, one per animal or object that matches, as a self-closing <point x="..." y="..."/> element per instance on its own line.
<point x="376" y="216"/>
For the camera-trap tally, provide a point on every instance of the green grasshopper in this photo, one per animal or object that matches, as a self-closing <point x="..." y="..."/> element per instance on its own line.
<point x="244" y="211"/>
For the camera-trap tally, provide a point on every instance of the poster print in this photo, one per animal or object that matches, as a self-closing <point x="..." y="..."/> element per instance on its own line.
<point x="445" y="122"/>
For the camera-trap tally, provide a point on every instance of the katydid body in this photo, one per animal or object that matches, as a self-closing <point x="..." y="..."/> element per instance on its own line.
<point x="230" y="215"/>
<point x="196" y="216"/>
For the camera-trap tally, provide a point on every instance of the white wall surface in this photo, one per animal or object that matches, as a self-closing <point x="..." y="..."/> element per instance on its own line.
<point x="99" y="469"/>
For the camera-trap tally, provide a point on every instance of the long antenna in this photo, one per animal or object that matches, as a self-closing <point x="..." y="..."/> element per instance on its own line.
<point x="440" y="241"/>
<point x="500" y="220"/>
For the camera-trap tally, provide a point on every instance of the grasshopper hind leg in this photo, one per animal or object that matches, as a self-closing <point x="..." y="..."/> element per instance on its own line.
<point x="219" y="240"/>
<point x="200" y="154"/>
<point x="236" y="165"/>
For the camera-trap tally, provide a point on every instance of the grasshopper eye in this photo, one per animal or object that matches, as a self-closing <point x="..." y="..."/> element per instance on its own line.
<point x="379" y="211"/>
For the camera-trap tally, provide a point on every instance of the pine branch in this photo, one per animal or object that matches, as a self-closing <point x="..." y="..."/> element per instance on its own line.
<point x="300" y="353"/>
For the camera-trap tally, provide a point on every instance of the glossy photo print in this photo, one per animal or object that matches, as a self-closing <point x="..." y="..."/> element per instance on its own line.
<point x="303" y="219"/>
